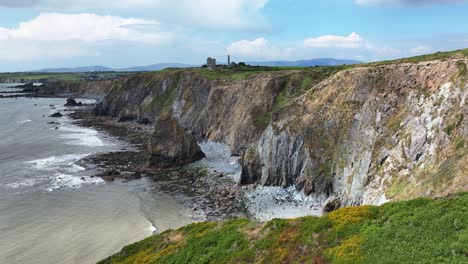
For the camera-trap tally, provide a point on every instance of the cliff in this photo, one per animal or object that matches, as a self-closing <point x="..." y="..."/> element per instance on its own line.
<point x="232" y="107"/>
<point x="361" y="134"/>
<point x="91" y="89"/>
<point x="370" y="134"/>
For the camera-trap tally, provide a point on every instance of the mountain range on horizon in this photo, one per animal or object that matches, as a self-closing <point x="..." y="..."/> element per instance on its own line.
<point x="161" y="66"/>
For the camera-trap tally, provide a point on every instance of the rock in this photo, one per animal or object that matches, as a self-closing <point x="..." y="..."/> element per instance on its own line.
<point x="72" y="102"/>
<point x="170" y="145"/>
<point x="109" y="175"/>
<point x="137" y="175"/>
<point x="56" y="114"/>
<point x="332" y="205"/>
<point x="108" y="178"/>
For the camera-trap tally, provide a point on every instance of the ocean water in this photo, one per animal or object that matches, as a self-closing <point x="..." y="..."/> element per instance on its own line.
<point x="51" y="208"/>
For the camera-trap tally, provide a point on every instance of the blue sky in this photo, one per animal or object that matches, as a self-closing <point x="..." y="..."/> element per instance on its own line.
<point x="38" y="34"/>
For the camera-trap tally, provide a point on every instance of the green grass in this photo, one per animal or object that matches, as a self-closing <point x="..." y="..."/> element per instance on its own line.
<point x="235" y="74"/>
<point x="463" y="53"/>
<point x="165" y="100"/>
<point x="459" y="143"/>
<point x="417" y="231"/>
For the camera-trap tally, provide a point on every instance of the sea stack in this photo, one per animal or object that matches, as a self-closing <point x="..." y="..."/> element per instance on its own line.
<point x="170" y="145"/>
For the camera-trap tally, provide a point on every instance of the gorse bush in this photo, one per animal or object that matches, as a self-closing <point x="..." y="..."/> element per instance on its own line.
<point x="417" y="231"/>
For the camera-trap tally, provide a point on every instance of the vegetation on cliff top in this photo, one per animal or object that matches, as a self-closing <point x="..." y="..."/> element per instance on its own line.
<point x="455" y="54"/>
<point x="239" y="72"/>
<point x="417" y="231"/>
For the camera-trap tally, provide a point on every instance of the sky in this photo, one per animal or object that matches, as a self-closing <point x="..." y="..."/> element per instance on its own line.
<point x="36" y="34"/>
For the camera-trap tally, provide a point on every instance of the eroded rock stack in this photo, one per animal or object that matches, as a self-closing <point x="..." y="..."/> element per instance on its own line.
<point x="171" y="145"/>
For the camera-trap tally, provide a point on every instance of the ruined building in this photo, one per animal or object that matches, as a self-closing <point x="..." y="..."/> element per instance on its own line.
<point x="211" y="63"/>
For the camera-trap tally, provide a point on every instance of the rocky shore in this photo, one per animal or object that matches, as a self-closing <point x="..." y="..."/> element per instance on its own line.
<point x="210" y="194"/>
<point x="336" y="136"/>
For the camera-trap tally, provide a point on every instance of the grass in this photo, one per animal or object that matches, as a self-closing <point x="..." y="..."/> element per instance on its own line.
<point x="417" y="231"/>
<point x="463" y="53"/>
<point x="165" y="100"/>
<point x="235" y="74"/>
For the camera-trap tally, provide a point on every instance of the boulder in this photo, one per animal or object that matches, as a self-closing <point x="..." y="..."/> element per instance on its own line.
<point x="170" y="145"/>
<point x="109" y="175"/>
<point x="72" y="102"/>
<point x="56" y="114"/>
<point x="331" y="205"/>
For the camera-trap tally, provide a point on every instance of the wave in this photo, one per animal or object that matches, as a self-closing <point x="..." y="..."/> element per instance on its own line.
<point x="24" y="121"/>
<point x="81" y="136"/>
<point x="22" y="184"/>
<point x="70" y="181"/>
<point x="65" y="162"/>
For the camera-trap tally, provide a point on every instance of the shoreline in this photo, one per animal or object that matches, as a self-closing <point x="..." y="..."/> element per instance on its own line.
<point x="211" y="195"/>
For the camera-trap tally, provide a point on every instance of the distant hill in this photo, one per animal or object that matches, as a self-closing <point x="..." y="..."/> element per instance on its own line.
<point x="304" y="63"/>
<point x="78" y="69"/>
<point x="155" y="67"/>
<point x="161" y="66"/>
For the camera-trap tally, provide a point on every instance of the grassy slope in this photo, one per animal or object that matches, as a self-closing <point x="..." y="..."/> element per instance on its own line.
<point x="417" y="231"/>
<point x="455" y="54"/>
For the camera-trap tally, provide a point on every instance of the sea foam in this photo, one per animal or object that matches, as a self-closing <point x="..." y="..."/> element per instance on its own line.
<point x="65" y="162"/>
<point x="70" y="181"/>
<point x="81" y="136"/>
<point x="22" y="184"/>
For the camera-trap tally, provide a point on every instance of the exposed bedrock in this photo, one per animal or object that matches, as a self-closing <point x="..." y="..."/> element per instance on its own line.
<point x="370" y="134"/>
<point x="171" y="145"/>
<point x="359" y="135"/>
<point x="231" y="111"/>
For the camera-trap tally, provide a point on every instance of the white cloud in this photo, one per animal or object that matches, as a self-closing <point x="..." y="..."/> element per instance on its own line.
<point x="215" y="14"/>
<point x="328" y="46"/>
<point x="82" y="27"/>
<point x="56" y="35"/>
<point x="259" y="48"/>
<point x="334" y="41"/>
<point x="410" y="2"/>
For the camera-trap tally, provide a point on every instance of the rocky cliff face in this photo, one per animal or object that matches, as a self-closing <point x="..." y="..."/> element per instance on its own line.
<point x="362" y="134"/>
<point x="370" y="134"/>
<point x="219" y="110"/>
<point x="97" y="89"/>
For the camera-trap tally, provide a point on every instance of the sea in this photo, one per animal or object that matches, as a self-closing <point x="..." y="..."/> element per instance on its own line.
<point x="52" y="208"/>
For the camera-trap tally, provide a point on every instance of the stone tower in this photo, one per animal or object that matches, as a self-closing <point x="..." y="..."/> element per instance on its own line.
<point x="211" y="63"/>
<point x="229" y="61"/>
